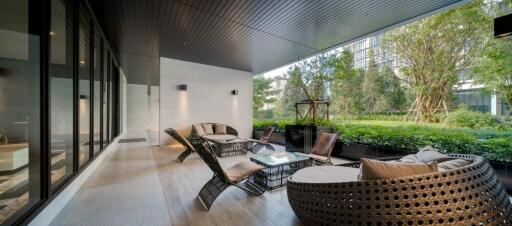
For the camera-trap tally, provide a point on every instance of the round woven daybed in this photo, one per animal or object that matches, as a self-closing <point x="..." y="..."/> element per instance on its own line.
<point x="469" y="195"/>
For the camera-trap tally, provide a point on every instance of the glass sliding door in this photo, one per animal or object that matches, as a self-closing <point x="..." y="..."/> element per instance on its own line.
<point x="97" y="92"/>
<point x="20" y="110"/>
<point x="84" y="74"/>
<point x="61" y="91"/>
<point x="106" y="74"/>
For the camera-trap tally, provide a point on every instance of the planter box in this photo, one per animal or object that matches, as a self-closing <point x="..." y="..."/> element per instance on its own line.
<point x="356" y="151"/>
<point x="299" y="138"/>
<point x="277" y="136"/>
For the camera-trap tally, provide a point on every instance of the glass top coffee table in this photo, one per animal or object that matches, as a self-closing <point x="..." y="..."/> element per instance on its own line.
<point x="278" y="167"/>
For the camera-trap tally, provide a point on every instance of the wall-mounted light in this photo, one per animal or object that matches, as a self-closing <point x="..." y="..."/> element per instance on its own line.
<point x="52" y="33"/>
<point x="83" y="97"/>
<point x="234" y="92"/>
<point x="182" y="87"/>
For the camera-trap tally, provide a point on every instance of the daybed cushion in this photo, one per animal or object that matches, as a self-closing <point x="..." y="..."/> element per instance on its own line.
<point x="208" y="128"/>
<point x="220" y="136"/>
<point x="220" y="129"/>
<point x="242" y="170"/>
<point x="319" y="157"/>
<point x="199" y="129"/>
<point x="452" y="164"/>
<point x="325" y="174"/>
<point x="375" y="169"/>
<point x="429" y="154"/>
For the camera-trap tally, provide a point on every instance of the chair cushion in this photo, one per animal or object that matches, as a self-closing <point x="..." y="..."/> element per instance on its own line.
<point x="319" y="157"/>
<point x="242" y="170"/>
<point x="452" y="164"/>
<point x="199" y="129"/>
<point x="220" y="129"/>
<point x="375" y="169"/>
<point x="324" y="144"/>
<point x="325" y="174"/>
<point x="208" y="128"/>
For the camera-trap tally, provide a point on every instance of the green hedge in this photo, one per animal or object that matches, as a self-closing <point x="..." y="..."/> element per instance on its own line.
<point x="494" y="145"/>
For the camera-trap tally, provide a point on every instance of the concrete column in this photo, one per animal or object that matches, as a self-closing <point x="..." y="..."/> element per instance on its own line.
<point x="495" y="104"/>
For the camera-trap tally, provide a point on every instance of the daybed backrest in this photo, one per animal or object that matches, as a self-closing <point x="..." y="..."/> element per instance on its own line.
<point x="229" y="129"/>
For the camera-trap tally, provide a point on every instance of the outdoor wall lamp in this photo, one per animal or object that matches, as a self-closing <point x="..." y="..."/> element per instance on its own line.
<point x="234" y="92"/>
<point x="182" y="87"/>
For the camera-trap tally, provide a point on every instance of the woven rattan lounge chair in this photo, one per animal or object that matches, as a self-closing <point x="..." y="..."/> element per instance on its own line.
<point x="322" y="149"/>
<point x="467" y="195"/>
<point x="235" y="175"/>
<point x="189" y="149"/>
<point x="264" y="140"/>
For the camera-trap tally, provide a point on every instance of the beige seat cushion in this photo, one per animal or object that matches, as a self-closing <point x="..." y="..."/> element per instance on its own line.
<point x="242" y="170"/>
<point x="452" y="164"/>
<point x="199" y="129"/>
<point x="319" y="157"/>
<point x="325" y="174"/>
<point x="208" y="128"/>
<point x="220" y="129"/>
<point x="375" y="169"/>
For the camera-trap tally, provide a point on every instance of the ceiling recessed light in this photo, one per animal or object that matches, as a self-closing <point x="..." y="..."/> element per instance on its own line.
<point x="82" y="62"/>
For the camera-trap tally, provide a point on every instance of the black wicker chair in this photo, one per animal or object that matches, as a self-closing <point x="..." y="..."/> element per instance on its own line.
<point x="222" y="179"/>
<point x="264" y="140"/>
<point x="174" y="134"/>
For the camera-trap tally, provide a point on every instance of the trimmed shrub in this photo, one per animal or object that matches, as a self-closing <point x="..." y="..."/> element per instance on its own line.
<point x="463" y="117"/>
<point x="494" y="145"/>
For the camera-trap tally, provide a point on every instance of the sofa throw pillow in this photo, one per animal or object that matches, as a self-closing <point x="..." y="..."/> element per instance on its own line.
<point x="452" y="164"/>
<point x="220" y="129"/>
<point x="429" y="154"/>
<point x="409" y="159"/>
<point x="199" y="129"/>
<point x="375" y="169"/>
<point x="208" y="128"/>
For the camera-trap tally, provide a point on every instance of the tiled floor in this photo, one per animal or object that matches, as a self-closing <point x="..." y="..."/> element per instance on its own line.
<point x="143" y="185"/>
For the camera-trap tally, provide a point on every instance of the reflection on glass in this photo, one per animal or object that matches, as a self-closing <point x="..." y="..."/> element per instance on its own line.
<point x="106" y="66"/>
<point x="61" y="92"/>
<point x="97" y="92"/>
<point x="19" y="112"/>
<point x="84" y="57"/>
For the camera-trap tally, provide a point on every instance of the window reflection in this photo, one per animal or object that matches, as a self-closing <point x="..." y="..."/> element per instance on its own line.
<point x="61" y="92"/>
<point x="19" y="112"/>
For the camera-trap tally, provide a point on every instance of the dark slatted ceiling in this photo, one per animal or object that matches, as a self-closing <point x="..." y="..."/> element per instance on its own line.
<point x="254" y="36"/>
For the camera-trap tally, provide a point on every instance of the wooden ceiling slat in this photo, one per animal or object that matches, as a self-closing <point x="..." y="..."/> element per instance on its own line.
<point x="249" y="35"/>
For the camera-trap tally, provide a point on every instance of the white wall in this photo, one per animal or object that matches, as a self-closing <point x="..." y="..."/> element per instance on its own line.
<point x="137" y="101"/>
<point x="207" y="99"/>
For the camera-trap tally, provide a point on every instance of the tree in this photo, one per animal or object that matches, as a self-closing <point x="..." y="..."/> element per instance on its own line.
<point x="392" y="89"/>
<point x="315" y="74"/>
<point x="346" y="96"/>
<point x="434" y="50"/>
<point x="374" y="99"/>
<point x="494" y="70"/>
<point x="261" y="92"/>
<point x="291" y="92"/>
